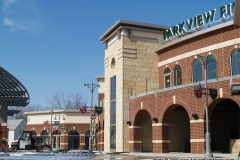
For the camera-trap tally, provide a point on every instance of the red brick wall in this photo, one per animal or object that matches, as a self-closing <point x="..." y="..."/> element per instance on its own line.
<point x="161" y="104"/>
<point x="81" y="128"/>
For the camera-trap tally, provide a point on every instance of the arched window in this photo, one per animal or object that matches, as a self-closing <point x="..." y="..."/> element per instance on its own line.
<point x="167" y="77"/>
<point x="197" y="70"/>
<point x="177" y="75"/>
<point x="113" y="63"/>
<point x="211" y="67"/>
<point x="235" y="62"/>
<point x="34" y="134"/>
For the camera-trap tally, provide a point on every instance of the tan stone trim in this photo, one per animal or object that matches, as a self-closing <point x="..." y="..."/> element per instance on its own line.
<point x="82" y="134"/>
<point x="197" y="140"/>
<point x="160" y="124"/>
<point x="197" y="121"/>
<point x="135" y="141"/>
<point x="82" y="143"/>
<point x="198" y="51"/>
<point x="63" y="143"/>
<point x="3" y="124"/>
<point x="160" y="141"/>
<point x="101" y="143"/>
<point x="134" y="126"/>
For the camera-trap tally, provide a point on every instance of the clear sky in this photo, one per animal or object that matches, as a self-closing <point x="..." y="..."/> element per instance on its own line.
<point x="53" y="45"/>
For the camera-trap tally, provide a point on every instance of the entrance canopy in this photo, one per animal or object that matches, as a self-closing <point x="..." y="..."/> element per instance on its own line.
<point x="12" y="92"/>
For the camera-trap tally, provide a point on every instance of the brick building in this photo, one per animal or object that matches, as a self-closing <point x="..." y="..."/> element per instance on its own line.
<point x="73" y="132"/>
<point x="151" y="72"/>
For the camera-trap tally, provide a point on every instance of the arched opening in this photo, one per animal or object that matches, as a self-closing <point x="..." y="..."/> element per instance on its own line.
<point x="73" y="140"/>
<point x="34" y="134"/>
<point x="179" y="130"/>
<point x="224" y="125"/>
<point x="146" y="132"/>
<point x="44" y="136"/>
<point x="144" y="121"/>
<point x="87" y="139"/>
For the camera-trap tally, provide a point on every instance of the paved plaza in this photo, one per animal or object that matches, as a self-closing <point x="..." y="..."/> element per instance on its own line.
<point x="28" y="155"/>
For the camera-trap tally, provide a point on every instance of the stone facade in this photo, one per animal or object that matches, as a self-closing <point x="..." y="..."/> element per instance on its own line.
<point x="130" y="56"/>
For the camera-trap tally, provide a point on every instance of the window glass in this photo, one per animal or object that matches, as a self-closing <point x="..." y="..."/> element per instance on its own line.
<point x="167" y="77"/>
<point x="177" y="75"/>
<point x="235" y="62"/>
<point x="113" y="112"/>
<point x="211" y="67"/>
<point x="113" y="137"/>
<point x="197" y="70"/>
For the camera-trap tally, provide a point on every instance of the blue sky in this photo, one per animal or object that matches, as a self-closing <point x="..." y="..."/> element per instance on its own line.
<point x="53" y="45"/>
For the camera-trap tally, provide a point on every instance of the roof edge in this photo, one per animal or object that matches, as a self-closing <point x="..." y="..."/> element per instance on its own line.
<point x="121" y="22"/>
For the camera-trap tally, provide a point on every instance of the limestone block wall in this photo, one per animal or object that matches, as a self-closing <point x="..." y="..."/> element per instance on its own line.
<point x="134" y="62"/>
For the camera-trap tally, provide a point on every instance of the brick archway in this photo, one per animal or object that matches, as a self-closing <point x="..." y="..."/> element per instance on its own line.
<point x="142" y="132"/>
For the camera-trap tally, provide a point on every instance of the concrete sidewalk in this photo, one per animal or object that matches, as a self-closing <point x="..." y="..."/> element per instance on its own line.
<point x="181" y="155"/>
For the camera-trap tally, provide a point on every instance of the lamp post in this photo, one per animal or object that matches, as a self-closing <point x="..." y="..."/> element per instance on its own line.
<point x="91" y="87"/>
<point x="51" y="136"/>
<point x="208" y="153"/>
<point x="63" y="118"/>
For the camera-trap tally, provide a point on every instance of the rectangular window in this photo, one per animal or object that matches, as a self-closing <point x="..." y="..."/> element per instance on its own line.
<point x="113" y="137"/>
<point x="113" y="112"/>
<point x="167" y="81"/>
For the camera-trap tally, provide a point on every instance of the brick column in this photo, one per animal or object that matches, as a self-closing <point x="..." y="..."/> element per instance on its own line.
<point x="64" y="141"/>
<point x="161" y="142"/>
<point x="3" y="113"/>
<point x="135" y="139"/>
<point x="101" y="140"/>
<point x="197" y="136"/>
<point x="82" y="141"/>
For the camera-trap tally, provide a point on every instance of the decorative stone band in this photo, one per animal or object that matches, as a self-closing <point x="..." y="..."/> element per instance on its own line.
<point x="153" y="141"/>
<point x="168" y="141"/>
<point x="63" y="143"/>
<point x="101" y="143"/>
<point x="134" y="126"/>
<point x="135" y="142"/>
<point x="82" y="135"/>
<point x="3" y="124"/>
<point x="82" y="143"/>
<point x="198" y="121"/>
<point x="63" y="135"/>
<point x="197" y="140"/>
<point x="160" y="124"/>
<point x="160" y="141"/>
<point x="200" y="50"/>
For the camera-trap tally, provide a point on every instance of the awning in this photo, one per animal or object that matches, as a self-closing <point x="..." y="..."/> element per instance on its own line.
<point x="12" y="92"/>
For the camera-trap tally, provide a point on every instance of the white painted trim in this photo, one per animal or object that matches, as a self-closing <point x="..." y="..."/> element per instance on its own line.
<point x="200" y="50"/>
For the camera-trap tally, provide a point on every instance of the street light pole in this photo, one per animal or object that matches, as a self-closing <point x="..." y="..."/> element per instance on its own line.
<point x="58" y="139"/>
<point x="208" y="153"/>
<point x="91" y="87"/>
<point x="51" y="136"/>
